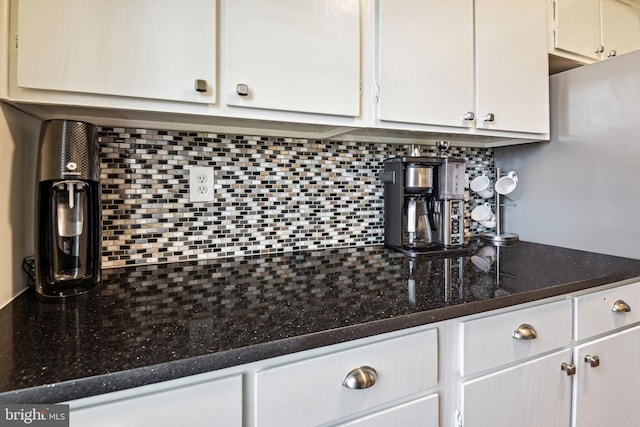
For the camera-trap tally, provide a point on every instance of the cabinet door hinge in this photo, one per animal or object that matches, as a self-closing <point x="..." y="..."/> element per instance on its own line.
<point x="458" y="418"/>
<point x="16" y="41"/>
<point x="376" y="92"/>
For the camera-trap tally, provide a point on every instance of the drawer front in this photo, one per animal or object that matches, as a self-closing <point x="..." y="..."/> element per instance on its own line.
<point x="311" y="392"/>
<point x="595" y="313"/>
<point x="489" y="342"/>
<point x="421" y="412"/>
<point x="216" y="402"/>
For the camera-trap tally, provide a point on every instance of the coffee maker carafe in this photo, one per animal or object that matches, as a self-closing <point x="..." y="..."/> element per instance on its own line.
<point x="68" y="211"/>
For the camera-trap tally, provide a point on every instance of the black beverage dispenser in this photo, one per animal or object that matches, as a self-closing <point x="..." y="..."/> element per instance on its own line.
<point x="68" y="211"/>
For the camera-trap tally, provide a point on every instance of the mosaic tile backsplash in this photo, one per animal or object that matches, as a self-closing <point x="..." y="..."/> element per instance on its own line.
<point x="271" y="194"/>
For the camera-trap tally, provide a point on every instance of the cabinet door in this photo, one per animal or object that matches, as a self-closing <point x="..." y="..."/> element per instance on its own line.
<point x="607" y="394"/>
<point x="426" y="61"/>
<point x="533" y="394"/>
<point x="138" y="48"/>
<point x="578" y="27"/>
<point x="422" y="412"/>
<point x="293" y="55"/>
<point x="620" y="28"/>
<point x="511" y="66"/>
<point x="198" y="404"/>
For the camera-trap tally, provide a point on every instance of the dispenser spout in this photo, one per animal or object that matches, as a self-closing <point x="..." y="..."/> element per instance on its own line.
<point x="72" y="197"/>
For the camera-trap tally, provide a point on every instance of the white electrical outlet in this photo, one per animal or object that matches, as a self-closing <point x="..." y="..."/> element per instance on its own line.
<point x="201" y="184"/>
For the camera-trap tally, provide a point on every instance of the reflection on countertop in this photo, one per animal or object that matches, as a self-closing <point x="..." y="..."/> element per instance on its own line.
<point x="151" y="323"/>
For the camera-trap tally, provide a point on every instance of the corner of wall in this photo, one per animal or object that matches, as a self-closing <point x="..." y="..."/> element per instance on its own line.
<point x="18" y="144"/>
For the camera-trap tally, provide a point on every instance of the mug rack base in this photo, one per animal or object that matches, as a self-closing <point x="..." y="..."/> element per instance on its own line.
<point x="499" y="238"/>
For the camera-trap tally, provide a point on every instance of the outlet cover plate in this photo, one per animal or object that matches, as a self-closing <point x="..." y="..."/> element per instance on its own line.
<point x="201" y="183"/>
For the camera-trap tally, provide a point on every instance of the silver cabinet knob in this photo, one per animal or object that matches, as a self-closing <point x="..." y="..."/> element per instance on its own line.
<point x="599" y="49"/>
<point x="359" y="378"/>
<point x="489" y="117"/>
<point x="242" y="89"/>
<point x="612" y="53"/>
<point x="469" y="116"/>
<point x="569" y="368"/>
<point x="620" y="307"/>
<point x="200" y="85"/>
<point x="593" y="361"/>
<point x="525" y="332"/>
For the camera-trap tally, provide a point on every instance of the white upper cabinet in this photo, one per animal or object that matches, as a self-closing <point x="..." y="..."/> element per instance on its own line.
<point x="476" y="66"/>
<point x="512" y="92"/>
<point x="134" y="48"/>
<point x="357" y="69"/>
<point x="426" y="61"/>
<point x="577" y="27"/>
<point x="301" y="56"/>
<point x="589" y="30"/>
<point x="620" y="28"/>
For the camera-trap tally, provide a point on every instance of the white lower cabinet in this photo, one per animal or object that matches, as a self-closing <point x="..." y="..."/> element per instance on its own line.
<point x="190" y="402"/>
<point x="532" y="394"/>
<point x="541" y="375"/>
<point x="518" y="355"/>
<point x="607" y="382"/>
<point x="343" y="384"/>
<point x="419" y="412"/>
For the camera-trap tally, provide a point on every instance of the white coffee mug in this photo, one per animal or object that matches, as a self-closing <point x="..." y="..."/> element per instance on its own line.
<point x="488" y="252"/>
<point x="482" y="186"/>
<point x="484" y="258"/>
<point x="488" y="224"/>
<point x="507" y="184"/>
<point x="483" y="213"/>
<point x="482" y="263"/>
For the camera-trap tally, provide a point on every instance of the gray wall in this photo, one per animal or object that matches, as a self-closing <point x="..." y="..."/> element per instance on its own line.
<point x="582" y="189"/>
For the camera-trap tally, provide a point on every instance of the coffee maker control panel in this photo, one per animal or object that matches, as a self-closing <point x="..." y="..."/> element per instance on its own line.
<point x="454" y="236"/>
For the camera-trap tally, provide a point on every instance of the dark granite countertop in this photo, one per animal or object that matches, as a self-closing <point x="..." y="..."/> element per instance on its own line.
<point x="153" y="323"/>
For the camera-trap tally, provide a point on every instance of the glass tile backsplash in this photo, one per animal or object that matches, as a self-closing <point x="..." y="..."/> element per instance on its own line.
<point x="271" y="194"/>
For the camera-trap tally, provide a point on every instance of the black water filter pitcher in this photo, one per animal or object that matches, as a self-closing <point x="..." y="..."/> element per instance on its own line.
<point x="68" y="212"/>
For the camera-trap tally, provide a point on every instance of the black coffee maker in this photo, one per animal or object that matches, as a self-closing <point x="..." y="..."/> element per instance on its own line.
<point x="68" y="211"/>
<point x="424" y="204"/>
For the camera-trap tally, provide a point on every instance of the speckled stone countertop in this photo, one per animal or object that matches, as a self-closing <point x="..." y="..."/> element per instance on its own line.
<point x="153" y="323"/>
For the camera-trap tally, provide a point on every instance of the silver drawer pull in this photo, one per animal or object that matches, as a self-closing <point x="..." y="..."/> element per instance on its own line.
<point x="242" y="89"/>
<point x="359" y="378"/>
<point x="594" y="361"/>
<point x="570" y="368"/>
<point x="620" y="307"/>
<point x="200" y="85"/>
<point x="525" y="332"/>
